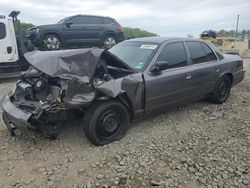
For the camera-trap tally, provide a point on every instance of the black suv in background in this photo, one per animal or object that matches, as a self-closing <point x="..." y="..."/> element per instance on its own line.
<point x="76" y="31"/>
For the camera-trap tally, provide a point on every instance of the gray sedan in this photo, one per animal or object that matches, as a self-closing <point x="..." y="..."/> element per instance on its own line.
<point x="109" y="89"/>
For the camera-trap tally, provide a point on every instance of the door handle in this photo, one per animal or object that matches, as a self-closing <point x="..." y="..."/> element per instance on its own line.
<point x="188" y="76"/>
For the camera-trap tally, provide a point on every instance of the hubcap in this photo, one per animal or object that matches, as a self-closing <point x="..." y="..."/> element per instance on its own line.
<point x="109" y="42"/>
<point x="52" y="43"/>
<point x="108" y="123"/>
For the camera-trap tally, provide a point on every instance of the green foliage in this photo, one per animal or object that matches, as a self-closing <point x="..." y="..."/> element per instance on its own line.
<point x="26" y="26"/>
<point x="137" y="33"/>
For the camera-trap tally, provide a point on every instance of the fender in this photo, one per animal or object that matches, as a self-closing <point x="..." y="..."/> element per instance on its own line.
<point x="109" y="33"/>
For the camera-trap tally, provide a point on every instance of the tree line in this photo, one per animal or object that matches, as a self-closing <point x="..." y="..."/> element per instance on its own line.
<point x="245" y="34"/>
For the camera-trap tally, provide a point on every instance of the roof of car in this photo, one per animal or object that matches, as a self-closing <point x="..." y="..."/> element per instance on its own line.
<point x="91" y="15"/>
<point x="159" y="39"/>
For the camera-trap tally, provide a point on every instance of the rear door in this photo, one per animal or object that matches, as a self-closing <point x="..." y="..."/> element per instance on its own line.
<point x="8" y="47"/>
<point x="172" y="85"/>
<point x="94" y="28"/>
<point x="205" y="68"/>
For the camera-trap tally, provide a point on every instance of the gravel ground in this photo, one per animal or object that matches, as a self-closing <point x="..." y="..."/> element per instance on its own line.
<point x="197" y="145"/>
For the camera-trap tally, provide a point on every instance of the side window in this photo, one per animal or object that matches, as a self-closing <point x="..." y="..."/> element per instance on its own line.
<point x="86" y="20"/>
<point x="2" y="31"/>
<point x="173" y="55"/>
<point x="107" y="21"/>
<point x="95" y="20"/>
<point x="77" y="20"/>
<point x="197" y="52"/>
<point x="210" y="54"/>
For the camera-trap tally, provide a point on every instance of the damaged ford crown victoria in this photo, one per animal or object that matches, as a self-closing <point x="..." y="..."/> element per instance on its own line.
<point x="109" y="89"/>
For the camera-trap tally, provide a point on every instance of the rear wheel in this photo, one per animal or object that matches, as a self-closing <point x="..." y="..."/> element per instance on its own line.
<point x="222" y="90"/>
<point x="51" y="42"/>
<point x="106" y="122"/>
<point x="109" y="41"/>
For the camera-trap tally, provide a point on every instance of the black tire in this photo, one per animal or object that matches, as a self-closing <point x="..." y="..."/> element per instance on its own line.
<point x="221" y="91"/>
<point x="105" y="122"/>
<point x="51" y="42"/>
<point x="109" y="41"/>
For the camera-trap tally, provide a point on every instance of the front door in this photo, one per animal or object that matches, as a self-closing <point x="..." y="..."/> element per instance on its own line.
<point x="74" y="31"/>
<point x="172" y="84"/>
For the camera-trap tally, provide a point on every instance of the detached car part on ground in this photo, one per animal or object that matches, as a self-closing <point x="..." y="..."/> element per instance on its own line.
<point x="109" y="89"/>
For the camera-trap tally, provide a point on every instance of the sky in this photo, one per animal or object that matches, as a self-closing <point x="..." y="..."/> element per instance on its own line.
<point x="163" y="17"/>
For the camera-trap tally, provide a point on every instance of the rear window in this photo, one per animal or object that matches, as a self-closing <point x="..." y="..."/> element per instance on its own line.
<point x="197" y="52"/>
<point x="2" y="31"/>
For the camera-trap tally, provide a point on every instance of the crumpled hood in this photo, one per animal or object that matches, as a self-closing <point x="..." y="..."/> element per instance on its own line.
<point x="77" y="63"/>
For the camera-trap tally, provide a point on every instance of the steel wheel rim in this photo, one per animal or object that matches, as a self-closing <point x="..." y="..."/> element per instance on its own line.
<point x="108" y="123"/>
<point x="223" y="89"/>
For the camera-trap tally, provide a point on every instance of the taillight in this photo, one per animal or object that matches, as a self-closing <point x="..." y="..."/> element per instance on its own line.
<point x="121" y="29"/>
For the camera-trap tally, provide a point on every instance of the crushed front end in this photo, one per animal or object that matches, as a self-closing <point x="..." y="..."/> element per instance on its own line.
<point x="61" y="85"/>
<point x="36" y="103"/>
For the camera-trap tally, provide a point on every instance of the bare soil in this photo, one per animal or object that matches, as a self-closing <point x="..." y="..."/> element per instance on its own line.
<point x="197" y="145"/>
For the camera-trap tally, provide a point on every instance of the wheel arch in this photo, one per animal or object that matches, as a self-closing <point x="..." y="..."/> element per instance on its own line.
<point x="109" y="33"/>
<point x="229" y="74"/>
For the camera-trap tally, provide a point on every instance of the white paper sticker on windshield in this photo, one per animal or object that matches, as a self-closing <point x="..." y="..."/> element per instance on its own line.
<point x="148" y="46"/>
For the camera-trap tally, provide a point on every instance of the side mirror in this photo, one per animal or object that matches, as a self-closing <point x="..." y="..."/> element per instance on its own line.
<point x="155" y="69"/>
<point x="68" y="24"/>
<point x="158" y="67"/>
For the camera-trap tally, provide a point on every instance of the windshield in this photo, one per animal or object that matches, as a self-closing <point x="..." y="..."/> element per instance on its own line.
<point x="135" y="54"/>
<point x="61" y="21"/>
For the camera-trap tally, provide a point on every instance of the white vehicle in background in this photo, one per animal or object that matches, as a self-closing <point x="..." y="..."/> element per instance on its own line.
<point x="12" y="46"/>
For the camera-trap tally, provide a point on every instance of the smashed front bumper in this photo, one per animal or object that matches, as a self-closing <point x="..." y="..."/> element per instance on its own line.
<point x="13" y="116"/>
<point x="42" y="118"/>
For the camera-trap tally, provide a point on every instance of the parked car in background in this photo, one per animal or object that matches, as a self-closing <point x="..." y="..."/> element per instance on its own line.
<point x="108" y="89"/>
<point x="208" y="33"/>
<point x="78" y="30"/>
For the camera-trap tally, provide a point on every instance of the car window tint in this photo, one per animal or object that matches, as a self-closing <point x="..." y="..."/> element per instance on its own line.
<point x="107" y="21"/>
<point x="2" y="31"/>
<point x="197" y="52"/>
<point x="210" y="54"/>
<point x="174" y="55"/>
<point x="77" y="20"/>
<point x="86" y="20"/>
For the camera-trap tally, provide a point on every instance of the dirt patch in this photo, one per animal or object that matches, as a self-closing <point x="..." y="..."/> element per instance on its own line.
<point x="198" y="145"/>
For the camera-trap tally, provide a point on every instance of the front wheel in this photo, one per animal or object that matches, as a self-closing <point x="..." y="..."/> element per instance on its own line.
<point x="221" y="91"/>
<point x="105" y="122"/>
<point x="51" y="42"/>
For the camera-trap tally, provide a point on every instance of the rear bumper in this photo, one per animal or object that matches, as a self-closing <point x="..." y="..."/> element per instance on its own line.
<point x="238" y="76"/>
